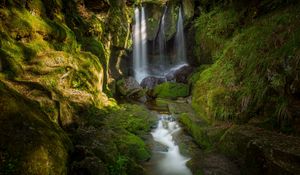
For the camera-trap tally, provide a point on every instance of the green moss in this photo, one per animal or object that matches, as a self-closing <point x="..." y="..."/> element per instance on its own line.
<point x="133" y="147"/>
<point x="122" y="147"/>
<point x="197" y="131"/>
<point x="253" y="64"/>
<point x="171" y="90"/>
<point x="30" y="142"/>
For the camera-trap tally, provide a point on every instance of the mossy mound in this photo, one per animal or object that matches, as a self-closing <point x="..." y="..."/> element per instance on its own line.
<point x="171" y="90"/>
<point x="115" y="138"/>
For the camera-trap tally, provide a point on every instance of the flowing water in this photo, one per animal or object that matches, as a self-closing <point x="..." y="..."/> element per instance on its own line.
<point x="162" y="41"/>
<point x="140" y="45"/>
<point x="142" y="67"/>
<point x="180" y="41"/>
<point x="167" y="159"/>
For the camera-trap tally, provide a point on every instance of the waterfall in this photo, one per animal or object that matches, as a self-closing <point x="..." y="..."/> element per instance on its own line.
<point x="162" y="41"/>
<point x="180" y="41"/>
<point x="140" y="45"/>
<point x="171" y="161"/>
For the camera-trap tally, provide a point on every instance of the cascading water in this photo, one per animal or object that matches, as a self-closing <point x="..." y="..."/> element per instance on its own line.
<point x="163" y="63"/>
<point x="140" y="45"/>
<point x="169" y="161"/>
<point x="180" y="41"/>
<point x="162" y="41"/>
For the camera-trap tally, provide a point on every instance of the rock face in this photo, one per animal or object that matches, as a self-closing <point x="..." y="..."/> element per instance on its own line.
<point x="30" y="143"/>
<point x="155" y="11"/>
<point x="55" y="64"/>
<point x="151" y="82"/>
<point x="262" y="152"/>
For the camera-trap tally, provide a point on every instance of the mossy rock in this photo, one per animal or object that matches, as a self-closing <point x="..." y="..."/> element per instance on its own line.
<point x="260" y="151"/>
<point x="130" y="88"/>
<point x="121" y="148"/>
<point x="30" y="143"/>
<point x="171" y="90"/>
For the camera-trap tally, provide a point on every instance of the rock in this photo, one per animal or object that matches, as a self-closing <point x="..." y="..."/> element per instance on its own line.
<point x="155" y="10"/>
<point x="180" y="75"/>
<point x="30" y="143"/>
<point x="130" y="88"/>
<point x="262" y="151"/>
<point x="171" y="90"/>
<point x="151" y="81"/>
<point x="90" y="165"/>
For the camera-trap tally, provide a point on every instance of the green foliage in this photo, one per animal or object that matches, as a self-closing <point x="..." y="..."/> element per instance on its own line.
<point x="254" y="64"/>
<point x="171" y="90"/>
<point x="212" y="31"/>
<point x="119" y="168"/>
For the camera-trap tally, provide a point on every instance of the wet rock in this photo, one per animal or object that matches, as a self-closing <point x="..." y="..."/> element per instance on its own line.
<point x="151" y="81"/>
<point x="180" y="75"/>
<point x="130" y="88"/>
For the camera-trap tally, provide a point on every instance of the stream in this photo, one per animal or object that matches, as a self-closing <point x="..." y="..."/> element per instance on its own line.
<point x="166" y="157"/>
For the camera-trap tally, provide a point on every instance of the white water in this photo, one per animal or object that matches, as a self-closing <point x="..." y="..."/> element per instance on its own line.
<point x="162" y="41"/>
<point x="171" y="162"/>
<point x="180" y="41"/>
<point x="140" y="45"/>
<point x="142" y="67"/>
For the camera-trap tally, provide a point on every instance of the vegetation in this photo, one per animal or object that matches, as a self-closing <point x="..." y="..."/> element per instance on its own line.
<point x="171" y="90"/>
<point x="117" y="138"/>
<point x="61" y="62"/>
<point x="255" y="54"/>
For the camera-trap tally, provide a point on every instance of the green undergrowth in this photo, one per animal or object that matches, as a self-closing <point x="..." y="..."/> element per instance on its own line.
<point x="119" y="137"/>
<point x="255" y="64"/>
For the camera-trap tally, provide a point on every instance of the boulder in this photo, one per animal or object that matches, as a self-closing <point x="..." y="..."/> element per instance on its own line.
<point x="262" y="151"/>
<point x="130" y="88"/>
<point x="180" y="75"/>
<point x="151" y="81"/>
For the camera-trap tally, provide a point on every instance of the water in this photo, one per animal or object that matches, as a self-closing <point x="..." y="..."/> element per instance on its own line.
<point x="168" y="161"/>
<point x="159" y="65"/>
<point x="162" y="41"/>
<point x="180" y="41"/>
<point x="140" y="45"/>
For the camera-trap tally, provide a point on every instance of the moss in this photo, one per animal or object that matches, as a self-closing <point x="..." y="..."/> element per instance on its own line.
<point x="133" y="147"/>
<point x="122" y="147"/>
<point x="171" y="90"/>
<point x="197" y="131"/>
<point x="250" y="73"/>
<point x="33" y="143"/>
